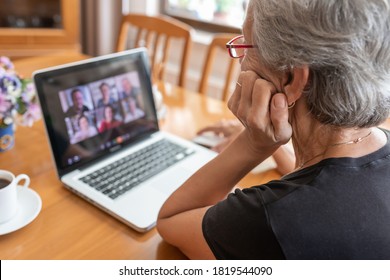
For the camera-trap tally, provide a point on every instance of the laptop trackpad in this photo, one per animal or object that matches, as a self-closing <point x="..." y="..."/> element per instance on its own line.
<point x="170" y="180"/>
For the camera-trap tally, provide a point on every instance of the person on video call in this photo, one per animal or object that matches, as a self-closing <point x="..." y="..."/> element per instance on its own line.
<point x="109" y="120"/>
<point x="317" y="72"/>
<point x="78" y="107"/>
<point x="132" y="112"/>
<point x="107" y="97"/>
<point x="85" y="129"/>
<point x="130" y="91"/>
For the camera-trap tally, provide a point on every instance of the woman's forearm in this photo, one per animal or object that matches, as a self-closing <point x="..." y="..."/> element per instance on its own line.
<point x="215" y="180"/>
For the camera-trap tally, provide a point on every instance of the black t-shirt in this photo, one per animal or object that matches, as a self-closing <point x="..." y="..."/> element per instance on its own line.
<point x="338" y="208"/>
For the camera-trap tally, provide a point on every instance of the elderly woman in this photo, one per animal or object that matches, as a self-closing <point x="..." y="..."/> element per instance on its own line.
<point x="317" y="72"/>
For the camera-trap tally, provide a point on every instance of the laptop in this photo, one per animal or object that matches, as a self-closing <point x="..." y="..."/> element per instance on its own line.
<point x="103" y="130"/>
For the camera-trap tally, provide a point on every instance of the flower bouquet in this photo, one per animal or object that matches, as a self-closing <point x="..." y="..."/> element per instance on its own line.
<point x="18" y="102"/>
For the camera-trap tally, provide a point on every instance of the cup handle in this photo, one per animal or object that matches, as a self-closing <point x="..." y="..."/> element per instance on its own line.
<point x="23" y="177"/>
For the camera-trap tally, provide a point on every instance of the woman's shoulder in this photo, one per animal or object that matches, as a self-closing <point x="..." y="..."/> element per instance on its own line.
<point x="103" y="124"/>
<point x="260" y="195"/>
<point x="271" y="191"/>
<point x="223" y="226"/>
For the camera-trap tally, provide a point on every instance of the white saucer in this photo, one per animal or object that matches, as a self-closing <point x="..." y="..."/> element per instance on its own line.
<point x="30" y="204"/>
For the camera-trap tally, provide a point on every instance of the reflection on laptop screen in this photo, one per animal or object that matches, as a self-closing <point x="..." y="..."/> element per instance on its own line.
<point x="97" y="107"/>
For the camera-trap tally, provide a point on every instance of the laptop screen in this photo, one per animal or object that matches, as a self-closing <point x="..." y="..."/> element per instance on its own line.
<point x="93" y="107"/>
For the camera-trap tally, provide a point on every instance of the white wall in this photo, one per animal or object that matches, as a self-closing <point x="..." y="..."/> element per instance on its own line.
<point x="150" y="7"/>
<point x="100" y="25"/>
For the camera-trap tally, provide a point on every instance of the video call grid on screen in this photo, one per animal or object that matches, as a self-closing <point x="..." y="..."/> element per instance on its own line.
<point x="120" y="93"/>
<point x="84" y="134"/>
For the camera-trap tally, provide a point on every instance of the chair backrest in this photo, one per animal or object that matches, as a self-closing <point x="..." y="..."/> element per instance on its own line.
<point x="155" y="33"/>
<point x="218" y="43"/>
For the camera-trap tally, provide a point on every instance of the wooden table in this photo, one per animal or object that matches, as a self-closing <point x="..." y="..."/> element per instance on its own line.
<point x="69" y="227"/>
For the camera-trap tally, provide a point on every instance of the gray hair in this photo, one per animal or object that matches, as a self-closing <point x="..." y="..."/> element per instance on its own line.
<point x="345" y="43"/>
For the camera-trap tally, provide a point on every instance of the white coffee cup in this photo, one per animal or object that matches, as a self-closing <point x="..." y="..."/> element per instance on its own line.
<point x="8" y="194"/>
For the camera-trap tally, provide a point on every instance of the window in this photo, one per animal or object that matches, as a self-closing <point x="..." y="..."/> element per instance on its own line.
<point x="210" y="15"/>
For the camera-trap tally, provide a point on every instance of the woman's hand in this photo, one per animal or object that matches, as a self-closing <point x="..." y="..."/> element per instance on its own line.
<point x="225" y="128"/>
<point x="262" y="111"/>
<point x="229" y="129"/>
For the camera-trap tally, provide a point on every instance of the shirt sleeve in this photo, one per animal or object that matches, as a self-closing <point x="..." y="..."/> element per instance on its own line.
<point x="237" y="228"/>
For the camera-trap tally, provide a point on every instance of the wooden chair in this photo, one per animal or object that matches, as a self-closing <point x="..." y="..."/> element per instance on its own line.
<point x="218" y="43"/>
<point x="155" y="33"/>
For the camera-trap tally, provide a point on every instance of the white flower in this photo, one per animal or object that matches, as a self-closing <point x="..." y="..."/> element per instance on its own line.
<point x="8" y="120"/>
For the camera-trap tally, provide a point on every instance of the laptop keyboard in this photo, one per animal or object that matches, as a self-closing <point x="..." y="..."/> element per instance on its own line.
<point x="122" y="175"/>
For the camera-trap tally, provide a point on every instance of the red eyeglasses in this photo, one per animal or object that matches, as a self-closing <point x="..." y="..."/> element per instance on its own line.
<point x="237" y="48"/>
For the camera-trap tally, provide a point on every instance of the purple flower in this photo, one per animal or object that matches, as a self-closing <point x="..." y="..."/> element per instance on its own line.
<point x="10" y="82"/>
<point x="4" y="103"/>
<point x="17" y="96"/>
<point x="32" y="114"/>
<point x="6" y="63"/>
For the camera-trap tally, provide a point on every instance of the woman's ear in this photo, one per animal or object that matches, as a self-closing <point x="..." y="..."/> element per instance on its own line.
<point x="295" y="83"/>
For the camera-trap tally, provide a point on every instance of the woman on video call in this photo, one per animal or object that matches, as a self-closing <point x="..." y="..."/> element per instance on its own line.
<point x="316" y="72"/>
<point x="109" y="120"/>
<point x="86" y="130"/>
